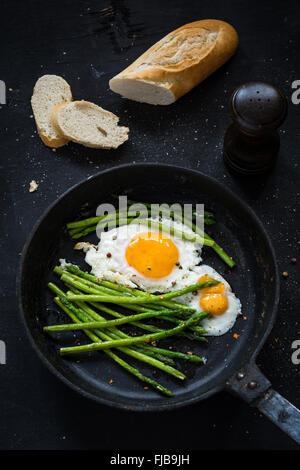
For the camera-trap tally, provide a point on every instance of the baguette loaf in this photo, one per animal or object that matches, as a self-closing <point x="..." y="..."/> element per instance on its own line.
<point x="177" y="63"/>
<point x="87" y="124"/>
<point x="48" y="91"/>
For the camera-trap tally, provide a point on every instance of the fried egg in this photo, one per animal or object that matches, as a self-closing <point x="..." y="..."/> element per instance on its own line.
<point x="135" y="255"/>
<point x="218" y="300"/>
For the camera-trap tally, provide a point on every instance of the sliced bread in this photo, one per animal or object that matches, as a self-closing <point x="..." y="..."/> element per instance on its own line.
<point x="177" y="63"/>
<point x="88" y="124"/>
<point x="48" y="91"/>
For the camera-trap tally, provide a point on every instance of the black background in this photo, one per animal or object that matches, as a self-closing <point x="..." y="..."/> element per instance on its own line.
<point x="87" y="42"/>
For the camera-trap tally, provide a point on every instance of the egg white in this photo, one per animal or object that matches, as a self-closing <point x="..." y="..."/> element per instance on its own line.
<point x="214" y="325"/>
<point x="115" y="268"/>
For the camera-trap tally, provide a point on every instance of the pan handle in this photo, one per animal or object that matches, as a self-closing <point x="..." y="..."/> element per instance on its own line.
<point x="252" y="386"/>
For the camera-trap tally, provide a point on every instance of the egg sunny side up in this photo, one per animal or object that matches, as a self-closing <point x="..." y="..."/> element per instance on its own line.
<point x="219" y="300"/>
<point x="134" y="256"/>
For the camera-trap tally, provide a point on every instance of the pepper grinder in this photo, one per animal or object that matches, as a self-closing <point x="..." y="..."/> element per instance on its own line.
<point x="252" y="142"/>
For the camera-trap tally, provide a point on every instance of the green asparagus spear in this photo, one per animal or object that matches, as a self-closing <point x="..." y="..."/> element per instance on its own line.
<point x="109" y="323"/>
<point x="139" y="300"/>
<point x="194" y="319"/>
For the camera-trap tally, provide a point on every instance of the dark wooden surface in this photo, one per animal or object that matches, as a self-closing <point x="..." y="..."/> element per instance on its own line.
<point x="88" y="42"/>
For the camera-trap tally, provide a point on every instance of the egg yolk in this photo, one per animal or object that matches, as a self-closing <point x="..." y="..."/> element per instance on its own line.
<point x="152" y="254"/>
<point x="214" y="300"/>
<point x="215" y="304"/>
<point x="217" y="289"/>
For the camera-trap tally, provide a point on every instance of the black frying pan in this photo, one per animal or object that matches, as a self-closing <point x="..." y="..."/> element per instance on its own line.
<point x="231" y="362"/>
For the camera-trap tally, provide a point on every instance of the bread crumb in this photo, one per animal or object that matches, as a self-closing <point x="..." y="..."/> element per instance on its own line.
<point x="83" y="246"/>
<point x="33" y="186"/>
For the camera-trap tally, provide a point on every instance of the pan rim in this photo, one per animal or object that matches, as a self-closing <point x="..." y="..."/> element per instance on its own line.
<point x="143" y="407"/>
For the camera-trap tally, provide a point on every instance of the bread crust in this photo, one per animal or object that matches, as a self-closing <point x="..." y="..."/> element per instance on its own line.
<point x="181" y="77"/>
<point x="54" y="119"/>
<point x="54" y="143"/>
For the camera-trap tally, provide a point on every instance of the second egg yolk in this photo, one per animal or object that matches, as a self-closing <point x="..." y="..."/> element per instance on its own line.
<point x="152" y="254"/>
<point x="214" y="300"/>
<point x="215" y="304"/>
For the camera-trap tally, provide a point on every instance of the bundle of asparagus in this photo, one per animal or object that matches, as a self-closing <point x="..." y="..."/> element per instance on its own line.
<point x="87" y="295"/>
